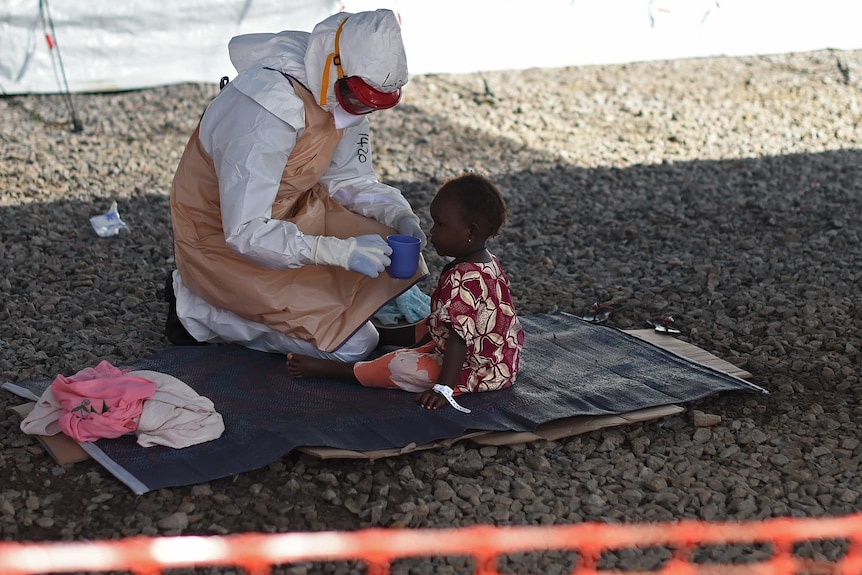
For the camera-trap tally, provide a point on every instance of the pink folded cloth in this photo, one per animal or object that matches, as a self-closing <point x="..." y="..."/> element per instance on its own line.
<point x="101" y="402"/>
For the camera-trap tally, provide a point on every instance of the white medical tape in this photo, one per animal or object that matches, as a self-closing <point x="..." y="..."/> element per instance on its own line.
<point x="446" y="392"/>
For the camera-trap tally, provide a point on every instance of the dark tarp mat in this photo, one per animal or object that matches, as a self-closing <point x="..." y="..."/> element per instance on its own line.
<point x="569" y="368"/>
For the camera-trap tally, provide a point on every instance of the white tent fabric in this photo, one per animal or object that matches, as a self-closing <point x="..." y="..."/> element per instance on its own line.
<point x="465" y="36"/>
<point x="110" y="45"/>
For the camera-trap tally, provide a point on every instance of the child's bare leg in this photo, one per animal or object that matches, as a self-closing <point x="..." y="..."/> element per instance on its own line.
<point x="306" y="366"/>
<point x="400" y="336"/>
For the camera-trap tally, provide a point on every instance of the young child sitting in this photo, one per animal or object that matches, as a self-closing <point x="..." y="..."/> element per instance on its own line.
<point x="473" y="338"/>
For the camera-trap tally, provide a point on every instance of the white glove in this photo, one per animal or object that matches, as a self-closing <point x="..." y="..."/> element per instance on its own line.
<point x="368" y="255"/>
<point x="408" y="226"/>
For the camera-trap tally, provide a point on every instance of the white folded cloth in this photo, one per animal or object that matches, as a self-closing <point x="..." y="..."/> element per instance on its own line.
<point x="175" y="416"/>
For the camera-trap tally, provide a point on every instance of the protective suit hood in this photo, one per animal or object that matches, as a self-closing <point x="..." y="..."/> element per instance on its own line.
<point x="370" y="46"/>
<point x="284" y="51"/>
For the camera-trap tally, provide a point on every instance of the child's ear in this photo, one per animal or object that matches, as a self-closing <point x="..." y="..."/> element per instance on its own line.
<point x="478" y="230"/>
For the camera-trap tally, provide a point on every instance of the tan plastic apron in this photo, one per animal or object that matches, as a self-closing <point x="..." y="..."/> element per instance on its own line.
<point x="324" y="305"/>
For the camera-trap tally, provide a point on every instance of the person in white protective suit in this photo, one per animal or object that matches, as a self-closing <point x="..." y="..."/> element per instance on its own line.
<point x="279" y="222"/>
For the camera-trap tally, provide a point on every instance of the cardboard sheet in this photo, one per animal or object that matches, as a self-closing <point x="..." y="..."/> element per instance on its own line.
<point x="62" y="448"/>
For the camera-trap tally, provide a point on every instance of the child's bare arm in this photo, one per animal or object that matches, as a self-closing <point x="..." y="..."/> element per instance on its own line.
<point x="450" y="372"/>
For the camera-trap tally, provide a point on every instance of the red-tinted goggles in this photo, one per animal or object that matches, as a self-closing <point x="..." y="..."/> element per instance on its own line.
<point x="358" y="98"/>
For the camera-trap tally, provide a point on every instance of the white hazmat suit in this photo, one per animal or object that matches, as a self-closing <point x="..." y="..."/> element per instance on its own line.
<point x="278" y="218"/>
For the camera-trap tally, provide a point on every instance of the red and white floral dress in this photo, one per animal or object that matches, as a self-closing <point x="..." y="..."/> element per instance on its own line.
<point x="475" y="300"/>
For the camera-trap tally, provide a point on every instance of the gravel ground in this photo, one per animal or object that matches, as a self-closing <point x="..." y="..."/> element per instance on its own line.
<point x="725" y="192"/>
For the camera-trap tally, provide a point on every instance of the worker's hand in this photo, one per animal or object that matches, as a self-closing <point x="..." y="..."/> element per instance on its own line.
<point x="408" y="226"/>
<point x="368" y="255"/>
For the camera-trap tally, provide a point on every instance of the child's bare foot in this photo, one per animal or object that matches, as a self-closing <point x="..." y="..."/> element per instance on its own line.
<point x="301" y="366"/>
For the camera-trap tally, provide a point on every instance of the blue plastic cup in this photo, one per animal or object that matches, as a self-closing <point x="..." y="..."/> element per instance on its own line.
<point x="405" y="256"/>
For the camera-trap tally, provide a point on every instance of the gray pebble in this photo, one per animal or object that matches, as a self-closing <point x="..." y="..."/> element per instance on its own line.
<point x="722" y="191"/>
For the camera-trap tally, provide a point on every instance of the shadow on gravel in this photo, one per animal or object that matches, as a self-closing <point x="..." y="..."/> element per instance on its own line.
<point x="757" y="260"/>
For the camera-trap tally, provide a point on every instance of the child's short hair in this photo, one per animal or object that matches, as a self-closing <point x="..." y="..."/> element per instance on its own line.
<point x="480" y="200"/>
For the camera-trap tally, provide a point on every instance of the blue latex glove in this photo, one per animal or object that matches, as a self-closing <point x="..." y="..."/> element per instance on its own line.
<point x="389" y="314"/>
<point x="411" y="306"/>
<point x="414" y="304"/>
<point x="408" y="226"/>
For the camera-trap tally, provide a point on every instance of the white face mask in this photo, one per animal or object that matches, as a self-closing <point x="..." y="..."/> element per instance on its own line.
<point x="344" y="119"/>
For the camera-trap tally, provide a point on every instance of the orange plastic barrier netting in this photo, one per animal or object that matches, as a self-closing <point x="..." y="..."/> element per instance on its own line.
<point x="379" y="548"/>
